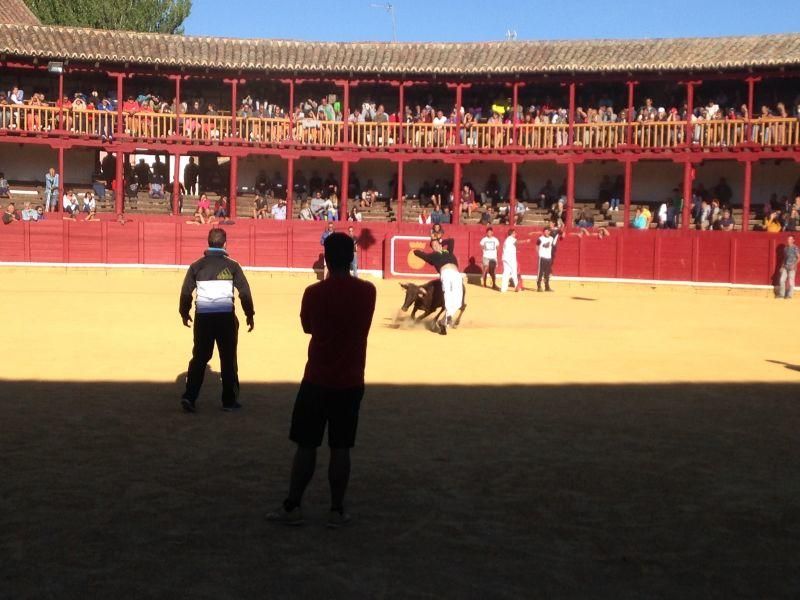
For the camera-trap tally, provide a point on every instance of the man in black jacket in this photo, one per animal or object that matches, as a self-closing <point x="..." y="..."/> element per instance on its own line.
<point x="214" y="277"/>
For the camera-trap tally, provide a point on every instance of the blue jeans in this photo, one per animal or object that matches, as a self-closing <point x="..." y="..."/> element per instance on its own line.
<point x="614" y="202"/>
<point x="354" y="266"/>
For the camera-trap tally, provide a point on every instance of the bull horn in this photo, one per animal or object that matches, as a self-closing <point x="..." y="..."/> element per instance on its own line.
<point x="404" y="286"/>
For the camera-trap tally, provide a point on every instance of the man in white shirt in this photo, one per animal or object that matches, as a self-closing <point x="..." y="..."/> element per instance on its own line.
<point x="546" y="245"/>
<point x="279" y="211"/>
<point x="489" y="245"/>
<point x="510" y="268"/>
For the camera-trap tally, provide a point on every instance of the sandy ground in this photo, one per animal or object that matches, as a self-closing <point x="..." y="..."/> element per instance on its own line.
<point x="602" y="441"/>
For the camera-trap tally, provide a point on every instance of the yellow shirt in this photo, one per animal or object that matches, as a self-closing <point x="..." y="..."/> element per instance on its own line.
<point x="773" y="226"/>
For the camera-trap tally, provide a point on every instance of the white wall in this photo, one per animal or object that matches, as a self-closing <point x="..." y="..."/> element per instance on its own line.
<point x="535" y="175"/>
<point x="769" y="178"/>
<point x="250" y="166"/>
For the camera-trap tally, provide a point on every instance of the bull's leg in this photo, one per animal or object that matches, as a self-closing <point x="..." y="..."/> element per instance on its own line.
<point x="460" y="314"/>
<point x="424" y="315"/>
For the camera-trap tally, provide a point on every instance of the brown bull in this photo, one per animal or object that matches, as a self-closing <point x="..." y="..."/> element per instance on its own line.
<point x="428" y="298"/>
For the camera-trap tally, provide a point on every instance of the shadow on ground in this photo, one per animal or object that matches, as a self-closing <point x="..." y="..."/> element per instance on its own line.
<point x="109" y="491"/>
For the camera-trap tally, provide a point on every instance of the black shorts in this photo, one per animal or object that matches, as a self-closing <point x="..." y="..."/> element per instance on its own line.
<point x="317" y="406"/>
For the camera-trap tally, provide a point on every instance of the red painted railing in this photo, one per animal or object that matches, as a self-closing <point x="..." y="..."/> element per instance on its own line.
<point x="694" y="256"/>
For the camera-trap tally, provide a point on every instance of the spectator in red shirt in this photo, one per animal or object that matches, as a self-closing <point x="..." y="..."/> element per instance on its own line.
<point x="337" y="312"/>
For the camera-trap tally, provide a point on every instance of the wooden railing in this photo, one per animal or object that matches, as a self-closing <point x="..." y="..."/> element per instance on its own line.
<point x="659" y="134"/>
<point x="318" y="133"/>
<point x="265" y="131"/>
<point x="771" y="132"/>
<point x="428" y="135"/>
<point x="543" y="137"/>
<point x="599" y="135"/>
<point x="374" y="135"/>
<point x="776" y="132"/>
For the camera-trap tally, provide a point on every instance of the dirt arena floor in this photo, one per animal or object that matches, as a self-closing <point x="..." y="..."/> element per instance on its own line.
<point x="604" y="441"/>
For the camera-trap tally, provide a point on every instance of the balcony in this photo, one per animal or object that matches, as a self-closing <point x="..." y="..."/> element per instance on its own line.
<point x="46" y="121"/>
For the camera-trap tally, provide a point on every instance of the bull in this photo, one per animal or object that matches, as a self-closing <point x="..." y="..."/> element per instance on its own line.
<point x="428" y="298"/>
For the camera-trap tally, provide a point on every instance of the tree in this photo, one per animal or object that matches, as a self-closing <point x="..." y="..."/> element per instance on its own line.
<point x="160" y="16"/>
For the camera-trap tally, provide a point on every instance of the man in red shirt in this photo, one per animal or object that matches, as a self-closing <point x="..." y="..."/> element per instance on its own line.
<point x="337" y="312"/>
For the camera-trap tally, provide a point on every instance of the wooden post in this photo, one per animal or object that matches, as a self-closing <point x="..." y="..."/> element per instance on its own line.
<point x="456" y="214"/>
<point x="688" y="167"/>
<point x="747" y="195"/>
<point x="176" y="187"/>
<point x="234" y="184"/>
<point x="290" y="189"/>
<point x="627" y="189"/>
<point x="629" y="129"/>
<point x="119" y="195"/>
<point x="570" y="193"/>
<point x="399" y="216"/>
<point x="343" y="196"/>
<point x="571" y="131"/>
<point x="120" y="102"/>
<point x="512" y="193"/>
<point x="62" y="180"/>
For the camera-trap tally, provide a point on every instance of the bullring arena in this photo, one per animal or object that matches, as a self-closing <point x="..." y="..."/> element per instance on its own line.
<point x="630" y="435"/>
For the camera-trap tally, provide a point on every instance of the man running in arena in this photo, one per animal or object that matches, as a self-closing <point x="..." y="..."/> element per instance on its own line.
<point x="445" y="262"/>
<point x="546" y="243"/>
<point x="214" y="277"/>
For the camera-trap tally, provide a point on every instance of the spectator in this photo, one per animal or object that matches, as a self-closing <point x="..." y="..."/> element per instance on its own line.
<point x="10" y="215"/>
<point x="279" y="210"/>
<point x="51" y="185"/>
<point x="792" y="222"/>
<point x="39" y="213"/>
<point x="305" y="212"/>
<point x="662" y="215"/>
<point x="191" y="174"/>
<point x="70" y="203"/>
<point x="355" y="215"/>
<point x="487" y="216"/>
<point x="788" y="269"/>
<point x="156" y="186"/>
<point x="639" y="221"/>
<point x="261" y="208"/>
<point x="585" y="219"/>
<point x="468" y="200"/>
<point x="648" y="216"/>
<point x="519" y="212"/>
<point x="89" y="202"/>
<point x="92" y="216"/>
<point x="5" y="189"/>
<point x="143" y="174"/>
<point x="424" y="218"/>
<point x="28" y="213"/>
<point x="773" y="222"/>
<point x="703" y="219"/>
<point x="221" y="208"/>
<point x="330" y="209"/>
<point x="726" y="222"/>
<point x="204" y="206"/>
<point x="437" y="215"/>
<point x="354" y="263"/>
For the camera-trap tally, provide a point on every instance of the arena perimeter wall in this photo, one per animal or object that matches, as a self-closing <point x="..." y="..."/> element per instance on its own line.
<point x="693" y="256"/>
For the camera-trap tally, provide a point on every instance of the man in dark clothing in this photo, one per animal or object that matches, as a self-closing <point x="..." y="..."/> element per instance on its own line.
<point x="214" y="277"/>
<point x="191" y="173"/>
<point x="337" y="312"/>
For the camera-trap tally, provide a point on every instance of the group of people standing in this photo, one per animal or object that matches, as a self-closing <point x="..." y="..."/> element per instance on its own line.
<point x="546" y="245"/>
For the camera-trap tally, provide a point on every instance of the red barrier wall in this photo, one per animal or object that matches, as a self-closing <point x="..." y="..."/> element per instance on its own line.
<point x="707" y="256"/>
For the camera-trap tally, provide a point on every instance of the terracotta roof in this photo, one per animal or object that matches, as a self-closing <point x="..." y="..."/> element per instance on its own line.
<point x="16" y="11"/>
<point x="587" y="56"/>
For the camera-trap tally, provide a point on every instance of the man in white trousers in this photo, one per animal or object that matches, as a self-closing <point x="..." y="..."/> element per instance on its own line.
<point x="445" y="262"/>
<point x="510" y="266"/>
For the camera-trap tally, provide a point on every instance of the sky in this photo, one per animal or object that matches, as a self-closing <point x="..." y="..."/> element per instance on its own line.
<point x="487" y="20"/>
